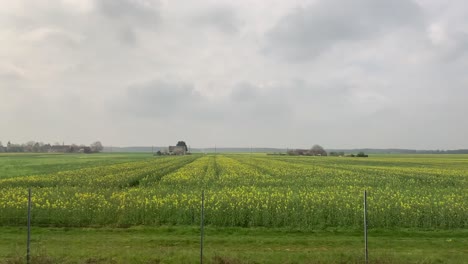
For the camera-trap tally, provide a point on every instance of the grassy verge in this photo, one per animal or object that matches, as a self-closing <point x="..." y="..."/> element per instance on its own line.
<point x="230" y="245"/>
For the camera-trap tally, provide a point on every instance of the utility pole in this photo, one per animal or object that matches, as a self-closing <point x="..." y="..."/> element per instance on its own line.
<point x="28" y="247"/>
<point x="366" y="251"/>
<point x="202" y="225"/>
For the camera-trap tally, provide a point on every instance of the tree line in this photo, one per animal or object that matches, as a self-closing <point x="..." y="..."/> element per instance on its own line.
<point x="316" y="150"/>
<point x="39" y="147"/>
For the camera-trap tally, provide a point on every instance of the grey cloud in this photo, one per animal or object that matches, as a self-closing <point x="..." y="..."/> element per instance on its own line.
<point x="255" y="105"/>
<point x="167" y="101"/>
<point x="132" y="11"/>
<point x="398" y="125"/>
<point x="161" y="99"/>
<point x="456" y="49"/>
<point x="164" y="100"/>
<point x="222" y="18"/>
<point x="308" y="32"/>
<point x="244" y="92"/>
<point x="11" y="73"/>
<point x="128" y="36"/>
<point x="45" y="36"/>
<point x="107" y="22"/>
<point x="294" y="101"/>
<point x="126" y="17"/>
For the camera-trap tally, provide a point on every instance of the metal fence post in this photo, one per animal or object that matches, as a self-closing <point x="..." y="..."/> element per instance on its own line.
<point x="365" y="227"/>
<point x="28" y="250"/>
<point x="202" y="225"/>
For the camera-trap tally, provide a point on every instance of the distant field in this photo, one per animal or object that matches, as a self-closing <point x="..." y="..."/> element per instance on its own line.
<point x="421" y="193"/>
<point x="21" y="164"/>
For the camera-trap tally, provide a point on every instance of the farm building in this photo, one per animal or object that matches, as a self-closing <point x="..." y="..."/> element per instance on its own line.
<point x="177" y="150"/>
<point x="59" y="148"/>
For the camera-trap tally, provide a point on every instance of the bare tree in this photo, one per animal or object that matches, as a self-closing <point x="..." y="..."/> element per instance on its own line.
<point x="74" y="148"/>
<point x="36" y="147"/>
<point x="97" y="147"/>
<point x="317" y="150"/>
<point x="28" y="147"/>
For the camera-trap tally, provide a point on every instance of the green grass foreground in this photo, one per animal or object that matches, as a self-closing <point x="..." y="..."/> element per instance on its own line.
<point x="230" y="245"/>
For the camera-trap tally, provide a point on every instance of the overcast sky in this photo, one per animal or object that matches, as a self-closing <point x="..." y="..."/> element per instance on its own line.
<point x="343" y="74"/>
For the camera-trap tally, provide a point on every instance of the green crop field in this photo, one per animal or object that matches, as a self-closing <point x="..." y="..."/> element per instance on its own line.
<point x="423" y="198"/>
<point x="12" y="165"/>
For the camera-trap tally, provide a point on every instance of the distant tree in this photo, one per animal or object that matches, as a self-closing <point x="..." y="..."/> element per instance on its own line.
<point x="182" y="144"/>
<point x="362" y="155"/>
<point x="45" y="148"/>
<point x="36" y="148"/>
<point x="15" y="147"/>
<point x="87" y="150"/>
<point x="96" y="147"/>
<point x="28" y="147"/>
<point x="336" y="154"/>
<point x="74" y="148"/>
<point x="317" y="150"/>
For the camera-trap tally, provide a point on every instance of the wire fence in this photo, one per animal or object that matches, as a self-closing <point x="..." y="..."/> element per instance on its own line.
<point x="36" y="241"/>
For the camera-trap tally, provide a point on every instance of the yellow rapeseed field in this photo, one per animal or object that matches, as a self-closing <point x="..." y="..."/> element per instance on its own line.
<point x="246" y="190"/>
